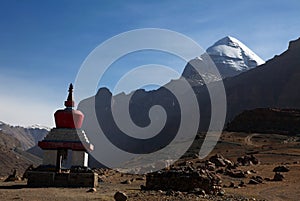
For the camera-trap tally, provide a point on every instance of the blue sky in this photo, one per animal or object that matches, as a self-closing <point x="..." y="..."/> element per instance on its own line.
<point x="43" y="43"/>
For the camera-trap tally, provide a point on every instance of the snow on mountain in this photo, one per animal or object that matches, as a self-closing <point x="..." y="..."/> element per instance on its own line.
<point x="233" y="57"/>
<point x="229" y="55"/>
<point x="38" y="126"/>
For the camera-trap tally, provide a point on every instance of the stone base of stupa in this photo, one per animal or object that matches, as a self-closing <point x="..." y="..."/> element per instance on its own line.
<point x="55" y="179"/>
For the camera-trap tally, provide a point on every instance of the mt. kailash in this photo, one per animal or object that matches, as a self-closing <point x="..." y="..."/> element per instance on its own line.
<point x="229" y="55"/>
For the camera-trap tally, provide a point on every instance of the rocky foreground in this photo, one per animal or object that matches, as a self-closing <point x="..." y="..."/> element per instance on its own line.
<point x="241" y="167"/>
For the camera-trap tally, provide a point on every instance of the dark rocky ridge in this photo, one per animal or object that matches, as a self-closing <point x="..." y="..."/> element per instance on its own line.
<point x="267" y="120"/>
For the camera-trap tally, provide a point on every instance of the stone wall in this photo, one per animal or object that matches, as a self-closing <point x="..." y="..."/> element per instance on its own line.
<point x="53" y="179"/>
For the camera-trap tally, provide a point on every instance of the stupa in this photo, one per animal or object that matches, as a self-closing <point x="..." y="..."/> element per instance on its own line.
<point x="65" y="152"/>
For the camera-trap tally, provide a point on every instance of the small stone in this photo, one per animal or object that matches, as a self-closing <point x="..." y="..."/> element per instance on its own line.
<point x="92" y="190"/>
<point x="231" y="185"/>
<point x="236" y="173"/>
<point x="267" y="179"/>
<point x="126" y="182"/>
<point x="196" y="156"/>
<point x="242" y="184"/>
<point x="278" y="177"/>
<point x="140" y="179"/>
<point x="177" y="193"/>
<point x="253" y="181"/>
<point x="120" y="196"/>
<point x="170" y="192"/>
<point x="199" y="191"/>
<point x="220" y="171"/>
<point x="256" y="180"/>
<point x="221" y="193"/>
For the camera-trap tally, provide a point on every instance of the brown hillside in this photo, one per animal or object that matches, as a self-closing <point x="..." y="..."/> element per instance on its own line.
<point x="11" y="156"/>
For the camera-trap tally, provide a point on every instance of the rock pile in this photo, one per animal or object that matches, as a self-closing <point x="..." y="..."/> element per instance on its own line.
<point x="184" y="179"/>
<point x="204" y="177"/>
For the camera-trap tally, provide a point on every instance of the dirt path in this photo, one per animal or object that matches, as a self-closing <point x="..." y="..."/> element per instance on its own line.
<point x="248" y="140"/>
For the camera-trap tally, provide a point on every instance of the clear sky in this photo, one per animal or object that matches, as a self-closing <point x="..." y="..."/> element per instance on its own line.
<point x="43" y="43"/>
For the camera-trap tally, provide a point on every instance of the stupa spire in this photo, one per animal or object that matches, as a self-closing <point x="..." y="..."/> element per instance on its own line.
<point x="70" y="101"/>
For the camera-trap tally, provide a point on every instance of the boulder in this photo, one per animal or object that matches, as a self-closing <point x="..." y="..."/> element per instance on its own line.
<point x="281" y="169"/>
<point x="120" y="196"/>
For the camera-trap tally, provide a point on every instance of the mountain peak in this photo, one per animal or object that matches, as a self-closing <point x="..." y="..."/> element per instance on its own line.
<point x="228" y="40"/>
<point x="232" y="57"/>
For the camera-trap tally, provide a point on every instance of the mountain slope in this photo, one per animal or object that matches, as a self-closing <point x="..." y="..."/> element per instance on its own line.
<point x="28" y="137"/>
<point x="12" y="157"/>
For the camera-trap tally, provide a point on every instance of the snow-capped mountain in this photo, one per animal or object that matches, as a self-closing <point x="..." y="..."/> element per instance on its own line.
<point x="229" y="55"/>
<point x="28" y="136"/>
<point x="233" y="57"/>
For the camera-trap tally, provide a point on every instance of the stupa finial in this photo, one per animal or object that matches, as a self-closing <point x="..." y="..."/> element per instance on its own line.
<point x="70" y="101"/>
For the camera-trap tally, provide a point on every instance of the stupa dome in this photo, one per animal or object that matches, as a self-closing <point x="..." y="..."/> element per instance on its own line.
<point x="68" y="117"/>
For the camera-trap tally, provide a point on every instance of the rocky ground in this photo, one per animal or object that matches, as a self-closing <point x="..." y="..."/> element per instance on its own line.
<point x="242" y="176"/>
